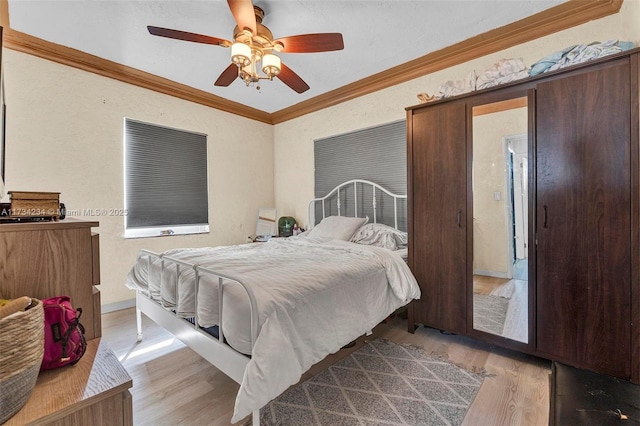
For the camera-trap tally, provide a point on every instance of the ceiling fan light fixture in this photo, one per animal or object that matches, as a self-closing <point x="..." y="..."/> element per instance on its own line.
<point x="254" y="52"/>
<point x="240" y="54"/>
<point x="271" y="65"/>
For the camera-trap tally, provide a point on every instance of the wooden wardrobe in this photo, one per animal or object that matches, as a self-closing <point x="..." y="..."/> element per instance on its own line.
<point x="583" y="206"/>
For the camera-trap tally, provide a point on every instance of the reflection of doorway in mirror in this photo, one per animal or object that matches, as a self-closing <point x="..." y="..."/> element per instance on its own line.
<point x="500" y="304"/>
<point x="500" y="222"/>
<point x="517" y="211"/>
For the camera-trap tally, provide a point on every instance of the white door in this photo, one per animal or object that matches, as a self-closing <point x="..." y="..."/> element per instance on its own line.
<point x="520" y="211"/>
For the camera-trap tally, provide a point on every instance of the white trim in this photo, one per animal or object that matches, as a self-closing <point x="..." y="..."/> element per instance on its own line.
<point x="118" y="306"/>
<point x="508" y="204"/>
<point x="165" y="231"/>
<point x="515" y="144"/>
<point x="494" y="274"/>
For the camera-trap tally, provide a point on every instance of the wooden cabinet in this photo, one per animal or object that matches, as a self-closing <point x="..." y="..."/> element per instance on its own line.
<point x="584" y="218"/>
<point x="583" y="207"/>
<point x="95" y="391"/>
<point x="437" y="251"/>
<point x="46" y="259"/>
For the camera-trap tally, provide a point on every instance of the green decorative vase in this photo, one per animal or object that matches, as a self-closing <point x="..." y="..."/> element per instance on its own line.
<point x="285" y="226"/>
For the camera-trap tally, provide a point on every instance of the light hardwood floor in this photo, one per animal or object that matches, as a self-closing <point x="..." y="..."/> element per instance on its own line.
<point x="172" y="385"/>
<point x="483" y="284"/>
<point x="517" y="317"/>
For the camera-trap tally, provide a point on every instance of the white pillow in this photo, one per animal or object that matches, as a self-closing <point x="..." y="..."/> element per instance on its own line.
<point x="380" y="235"/>
<point x="337" y="227"/>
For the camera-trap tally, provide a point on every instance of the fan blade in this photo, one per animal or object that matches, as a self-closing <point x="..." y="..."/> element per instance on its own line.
<point x="292" y="79"/>
<point x="227" y="76"/>
<point x="242" y="11"/>
<point x="183" y="35"/>
<point x="310" y="43"/>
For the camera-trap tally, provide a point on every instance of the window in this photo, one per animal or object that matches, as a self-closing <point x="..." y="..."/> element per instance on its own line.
<point x="165" y="174"/>
<point x="377" y="154"/>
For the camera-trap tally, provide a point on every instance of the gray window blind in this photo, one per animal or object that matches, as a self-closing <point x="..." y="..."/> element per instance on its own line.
<point x="377" y="154"/>
<point x="165" y="176"/>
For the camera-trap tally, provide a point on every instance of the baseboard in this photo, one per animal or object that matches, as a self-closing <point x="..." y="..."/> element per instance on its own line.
<point x="118" y="306"/>
<point x="491" y="274"/>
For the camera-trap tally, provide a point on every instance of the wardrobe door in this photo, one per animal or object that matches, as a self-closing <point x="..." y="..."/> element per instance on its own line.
<point x="584" y="218"/>
<point x="437" y="243"/>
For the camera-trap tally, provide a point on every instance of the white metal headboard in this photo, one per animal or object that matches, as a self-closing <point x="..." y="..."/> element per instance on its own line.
<point x="364" y="185"/>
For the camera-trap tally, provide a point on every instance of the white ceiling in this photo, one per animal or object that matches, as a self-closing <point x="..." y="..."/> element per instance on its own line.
<point x="377" y="36"/>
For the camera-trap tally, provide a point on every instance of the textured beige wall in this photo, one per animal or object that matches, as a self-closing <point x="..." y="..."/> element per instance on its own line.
<point x="64" y="133"/>
<point x="294" y="138"/>
<point x="490" y="251"/>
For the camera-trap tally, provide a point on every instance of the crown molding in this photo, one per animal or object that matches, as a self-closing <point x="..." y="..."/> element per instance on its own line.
<point x="555" y="19"/>
<point x="4" y="14"/>
<point x="558" y="18"/>
<point x="35" y="46"/>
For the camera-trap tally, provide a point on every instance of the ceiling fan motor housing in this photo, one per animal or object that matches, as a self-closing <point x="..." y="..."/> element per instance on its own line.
<point x="263" y="37"/>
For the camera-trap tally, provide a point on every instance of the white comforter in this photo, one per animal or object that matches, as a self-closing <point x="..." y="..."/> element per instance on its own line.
<point x="313" y="297"/>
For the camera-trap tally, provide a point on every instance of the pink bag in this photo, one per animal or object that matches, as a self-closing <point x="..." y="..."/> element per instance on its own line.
<point x="64" y="341"/>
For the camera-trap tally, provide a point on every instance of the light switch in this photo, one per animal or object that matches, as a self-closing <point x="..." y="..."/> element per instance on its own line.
<point x="497" y="196"/>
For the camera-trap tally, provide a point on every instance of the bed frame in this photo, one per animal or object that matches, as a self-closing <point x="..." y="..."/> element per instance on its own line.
<point x="339" y="194"/>
<point x="215" y="350"/>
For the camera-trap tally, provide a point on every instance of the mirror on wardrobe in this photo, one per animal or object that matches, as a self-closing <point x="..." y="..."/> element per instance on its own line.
<point x="500" y="219"/>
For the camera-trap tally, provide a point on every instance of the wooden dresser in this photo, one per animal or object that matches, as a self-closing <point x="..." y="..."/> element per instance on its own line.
<point x="95" y="391"/>
<point x="47" y="259"/>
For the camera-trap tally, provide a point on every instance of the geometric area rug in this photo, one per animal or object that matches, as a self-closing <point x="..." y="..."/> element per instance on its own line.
<point x="490" y="313"/>
<point x="383" y="383"/>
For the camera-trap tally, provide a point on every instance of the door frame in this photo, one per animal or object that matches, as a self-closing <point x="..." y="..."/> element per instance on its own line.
<point x="509" y="204"/>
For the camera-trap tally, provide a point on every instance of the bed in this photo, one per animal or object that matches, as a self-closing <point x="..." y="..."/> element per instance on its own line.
<point x="264" y="313"/>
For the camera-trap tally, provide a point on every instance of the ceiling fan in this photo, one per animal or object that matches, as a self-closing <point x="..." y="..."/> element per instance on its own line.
<point x="253" y="44"/>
